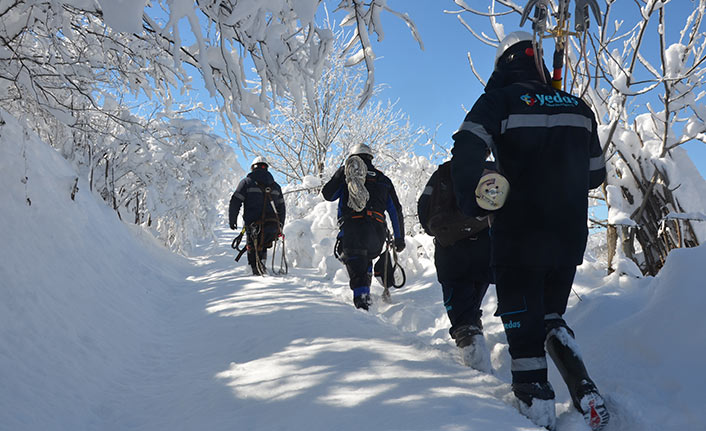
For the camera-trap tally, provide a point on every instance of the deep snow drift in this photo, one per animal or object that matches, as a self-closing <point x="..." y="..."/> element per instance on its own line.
<point x="102" y="329"/>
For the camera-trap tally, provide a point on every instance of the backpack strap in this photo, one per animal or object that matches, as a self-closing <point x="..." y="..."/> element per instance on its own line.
<point x="267" y="198"/>
<point x="443" y="172"/>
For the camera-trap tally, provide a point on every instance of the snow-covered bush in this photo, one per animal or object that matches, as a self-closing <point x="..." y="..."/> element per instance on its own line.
<point x="187" y="178"/>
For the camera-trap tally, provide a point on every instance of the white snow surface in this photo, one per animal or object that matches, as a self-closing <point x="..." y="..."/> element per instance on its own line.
<point x="103" y="329"/>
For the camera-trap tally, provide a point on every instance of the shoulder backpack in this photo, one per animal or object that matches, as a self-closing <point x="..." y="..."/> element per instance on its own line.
<point x="272" y="220"/>
<point x="446" y="221"/>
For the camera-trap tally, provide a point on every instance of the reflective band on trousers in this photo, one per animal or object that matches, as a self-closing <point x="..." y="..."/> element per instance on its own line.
<point x="528" y="364"/>
<point x="546" y="120"/>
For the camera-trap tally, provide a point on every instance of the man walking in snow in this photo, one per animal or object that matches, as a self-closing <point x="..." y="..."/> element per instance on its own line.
<point x="462" y="261"/>
<point x="263" y="212"/>
<point x="545" y="142"/>
<point x="364" y="194"/>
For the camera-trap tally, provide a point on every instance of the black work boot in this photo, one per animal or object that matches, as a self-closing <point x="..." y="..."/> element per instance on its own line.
<point x="361" y="297"/>
<point x="536" y="401"/>
<point x="474" y="353"/>
<point x="591" y="404"/>
<point x="258" y="269"/>
<point x="463" y="335"/>
<point x="564" y="352"/>
<point x="362" y="301"/>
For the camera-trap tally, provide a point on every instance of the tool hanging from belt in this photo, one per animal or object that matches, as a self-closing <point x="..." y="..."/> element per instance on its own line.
<point x="236" y="242"/>
<point x="258" y="229"/>
<point x="391" y="274"/>
<point x="283" y="266"/>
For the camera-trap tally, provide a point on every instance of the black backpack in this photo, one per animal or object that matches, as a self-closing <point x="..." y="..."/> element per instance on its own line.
<point x="446" y="222"/>
<point x="267" y="227"/>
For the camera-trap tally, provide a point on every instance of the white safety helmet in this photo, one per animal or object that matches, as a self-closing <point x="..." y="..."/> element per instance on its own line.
<point x="259" y="160"/>
<point x="359" y="149"/>
<point x="510" y="40"/>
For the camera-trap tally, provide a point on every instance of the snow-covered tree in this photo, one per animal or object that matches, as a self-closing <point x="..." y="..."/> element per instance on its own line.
<point x="168" y="174"/>
<point x="58" y="51"/>
<point x="309" y="139"/>
<point x="99" y="80"/>
<point x="645" y="85"/>
<point x="176" y="181"/>
<point x="299" y="139"/>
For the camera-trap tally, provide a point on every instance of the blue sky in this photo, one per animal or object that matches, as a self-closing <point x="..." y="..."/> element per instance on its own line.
<point x="433" y="86"/>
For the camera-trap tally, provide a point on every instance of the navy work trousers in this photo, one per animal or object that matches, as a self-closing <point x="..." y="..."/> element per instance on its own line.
<point x="526" y="295"/>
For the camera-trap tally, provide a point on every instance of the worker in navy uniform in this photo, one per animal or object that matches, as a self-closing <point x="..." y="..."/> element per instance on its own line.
<point x="362" y="203"/>
<point x="545" y="142"/>
<point x="462" y="262"/>
<point x="264" y="212"/>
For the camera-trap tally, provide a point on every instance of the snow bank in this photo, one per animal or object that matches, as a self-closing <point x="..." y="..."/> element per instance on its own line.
<point x="79" y="289"/>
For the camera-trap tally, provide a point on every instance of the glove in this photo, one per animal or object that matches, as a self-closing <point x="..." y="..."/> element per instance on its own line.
<point x="399" y="244"/>
<point x="233" y="226"/>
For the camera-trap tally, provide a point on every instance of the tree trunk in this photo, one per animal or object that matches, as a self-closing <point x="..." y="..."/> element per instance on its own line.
<point x="657" y="235"/>
<point x="612" y="238"/>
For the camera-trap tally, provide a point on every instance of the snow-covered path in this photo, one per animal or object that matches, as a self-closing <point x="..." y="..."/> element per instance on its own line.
<point x="292" y="353"/>
<point x="288" y="353"/>
<point x="102" y="329"/>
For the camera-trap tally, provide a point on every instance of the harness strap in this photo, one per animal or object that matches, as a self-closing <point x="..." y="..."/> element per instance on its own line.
<point x="373" y="215"/>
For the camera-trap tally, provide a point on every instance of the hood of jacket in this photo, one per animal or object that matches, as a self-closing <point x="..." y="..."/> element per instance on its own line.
<point x="520" y="70"/>
<point x="262" y="176"/>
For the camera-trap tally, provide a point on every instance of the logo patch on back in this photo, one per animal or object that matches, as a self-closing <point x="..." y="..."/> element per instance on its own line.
<point x="529" y="100"/>
<point x="550" y="100"/>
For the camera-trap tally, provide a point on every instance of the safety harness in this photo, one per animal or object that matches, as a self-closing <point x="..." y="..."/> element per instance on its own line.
<point x="369" y="214"/>
<point x="256" y="232"/>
